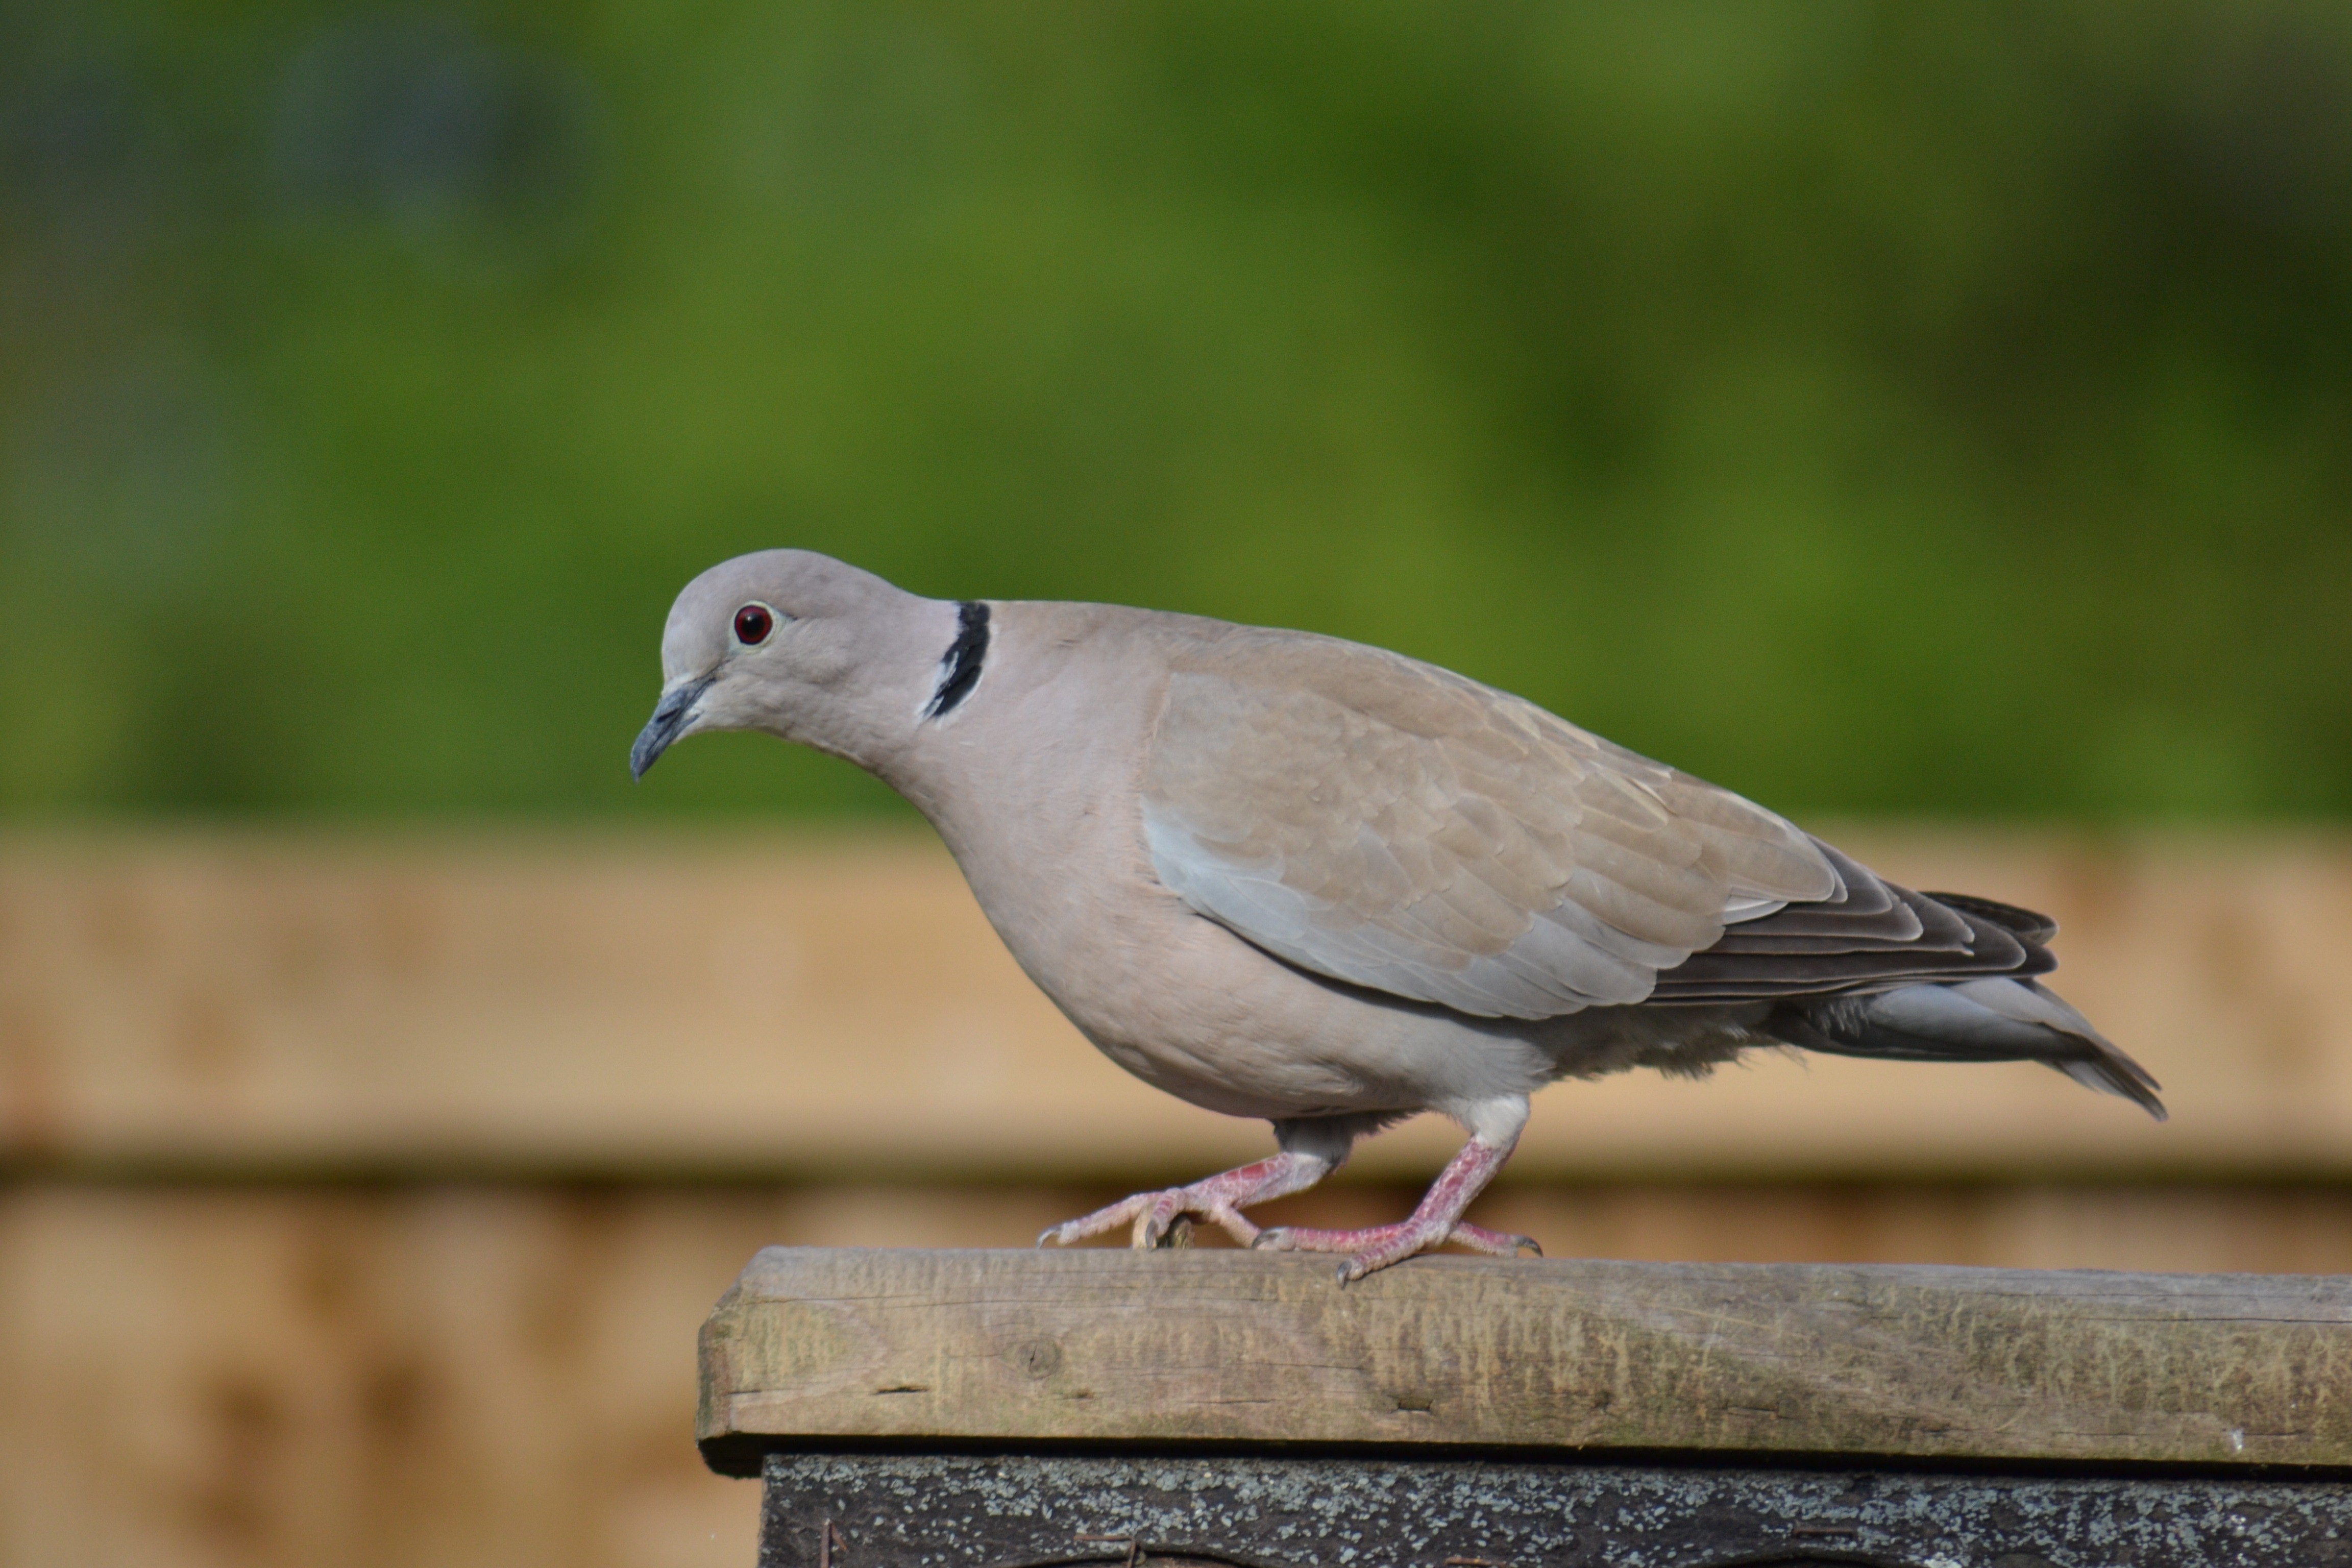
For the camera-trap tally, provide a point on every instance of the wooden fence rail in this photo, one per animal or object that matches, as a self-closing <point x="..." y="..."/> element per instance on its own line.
<point x="818" y="1344"/>
<point x="816" y="1007"/>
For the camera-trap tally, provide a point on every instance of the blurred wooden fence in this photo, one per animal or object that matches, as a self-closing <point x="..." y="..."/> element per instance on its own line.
<point x="252" y="1007"/>
<point x="364" y="1194"/>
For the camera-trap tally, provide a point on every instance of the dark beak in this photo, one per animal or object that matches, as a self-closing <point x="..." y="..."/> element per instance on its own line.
<point x="668" y="719"/>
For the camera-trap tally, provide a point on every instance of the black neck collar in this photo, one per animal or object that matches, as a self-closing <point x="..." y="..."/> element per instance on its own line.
<point x="959" y="665"/>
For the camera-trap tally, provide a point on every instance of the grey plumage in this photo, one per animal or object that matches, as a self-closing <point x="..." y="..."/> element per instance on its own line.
<point x="1287" y="876"/>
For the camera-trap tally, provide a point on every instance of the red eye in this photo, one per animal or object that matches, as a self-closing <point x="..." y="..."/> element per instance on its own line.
<point x="752" y="625"/>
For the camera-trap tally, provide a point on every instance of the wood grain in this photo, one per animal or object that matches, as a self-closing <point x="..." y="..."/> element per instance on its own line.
<point x="1252" y="1348"/>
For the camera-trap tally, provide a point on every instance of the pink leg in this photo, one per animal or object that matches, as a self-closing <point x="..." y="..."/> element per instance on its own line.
<point x="1493" y="1132"/>
<point x="1218" y="1199"/>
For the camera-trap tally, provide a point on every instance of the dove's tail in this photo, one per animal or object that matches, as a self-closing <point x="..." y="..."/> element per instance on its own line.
<point x="1992" y="1018"/>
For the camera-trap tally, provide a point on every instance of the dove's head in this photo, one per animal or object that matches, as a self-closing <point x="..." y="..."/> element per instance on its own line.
<point x="802" y="646"/>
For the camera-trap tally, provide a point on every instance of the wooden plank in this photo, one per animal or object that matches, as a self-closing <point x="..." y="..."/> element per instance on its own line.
<point x="810" y="1007"/>
<point x="1252" y="1348"/>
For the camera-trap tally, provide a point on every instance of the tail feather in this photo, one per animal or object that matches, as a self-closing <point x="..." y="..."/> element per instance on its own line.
<point x="1994" y="1019"/>
<point x="2121" y="1079"/>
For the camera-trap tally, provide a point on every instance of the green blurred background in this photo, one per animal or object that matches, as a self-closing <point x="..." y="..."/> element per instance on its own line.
<point x="1934" y="409"/>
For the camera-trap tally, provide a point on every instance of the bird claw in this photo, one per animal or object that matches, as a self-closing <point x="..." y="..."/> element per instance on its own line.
<point x="1166" y="1224"/>
<point x="1495" y="1243"/>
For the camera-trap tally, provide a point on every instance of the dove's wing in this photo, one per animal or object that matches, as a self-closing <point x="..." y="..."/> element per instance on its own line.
<point x="1382" y="822"/>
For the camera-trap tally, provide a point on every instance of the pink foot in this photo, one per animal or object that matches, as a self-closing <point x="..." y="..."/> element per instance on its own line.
<point x="1437" y="1219"/>
<point x="1381" y="1245"/>
<point x="1216" y="1199"/>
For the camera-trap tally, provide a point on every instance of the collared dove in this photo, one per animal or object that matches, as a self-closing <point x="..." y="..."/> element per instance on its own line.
<point x="1284" y="876"/>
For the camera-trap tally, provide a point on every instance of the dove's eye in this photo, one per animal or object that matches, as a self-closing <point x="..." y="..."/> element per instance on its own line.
<point x="752" y="625"/>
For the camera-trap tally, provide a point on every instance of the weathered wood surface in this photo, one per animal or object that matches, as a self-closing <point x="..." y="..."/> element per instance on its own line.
<point x="815" y="1345"/>
<point x="772" y="1006"/>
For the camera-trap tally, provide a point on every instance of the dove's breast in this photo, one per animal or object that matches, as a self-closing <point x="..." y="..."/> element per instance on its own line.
<point x="1044" y="818"/>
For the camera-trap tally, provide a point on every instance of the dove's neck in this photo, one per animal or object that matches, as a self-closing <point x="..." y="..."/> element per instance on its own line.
<point x="865" y="690"/>
<point x="1033" y="732"/>
<point x="913" y="728"/>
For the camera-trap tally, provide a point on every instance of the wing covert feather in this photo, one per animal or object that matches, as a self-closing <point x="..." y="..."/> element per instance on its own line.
<point x="1386" y="823"/>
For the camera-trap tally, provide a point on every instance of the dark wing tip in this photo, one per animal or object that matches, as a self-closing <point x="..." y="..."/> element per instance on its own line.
<point x="2029" y="928"/>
